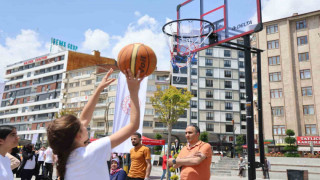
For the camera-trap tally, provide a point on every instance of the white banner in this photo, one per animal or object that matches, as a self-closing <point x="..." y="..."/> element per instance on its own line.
<point x="34" y="138"/>
<point x="122" y="110"/>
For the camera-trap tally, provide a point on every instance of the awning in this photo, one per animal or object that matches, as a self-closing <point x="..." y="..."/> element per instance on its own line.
<point x="148" y="141"/>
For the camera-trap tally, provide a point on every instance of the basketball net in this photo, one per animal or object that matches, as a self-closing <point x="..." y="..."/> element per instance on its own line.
<point x="185" y="37"/>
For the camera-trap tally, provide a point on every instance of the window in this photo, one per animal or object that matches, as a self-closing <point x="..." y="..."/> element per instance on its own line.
<point x="306" y="91"/>
<point x="209" y="104"/>
<point x="228" y="95"/>
<point x="242" y="107"/>
<point x="228" y="105"/>
<point x="303" y="56"/>
<point x="275" y="60"/>
<point x="209" y="94"/>
<point x="209" y="115"/>
<point x="88" y="82"/>
<point x="279" y="130"/>
<point x="209" y="51"/>
<point x="227" y="53"/>
<point x="301" y="24"/>
<point x="209" y="62"/>
<point x="149" y="112"/>
<point x="227" y="63"/>
<point x="227" y="84"/>
<point x="242" y="74"/>
<point x="209" y="127"/>
<point x="243" y="117"/>
<point x="193" y="104"/>
<point x="243" y="127"/>
<point x="194" y="93"/>
<point x="302" y="40"/>
<point x="227" y="73"/>
<point x="274" y="77"/>
<point x="272" y="29"/>
<point x="209" y="72"/>
<point x="193" y="71"/>
<point x="194" y="115"/>
<point x="277" y="111"/>
<point x="242" y="95"/>
<point x="179" y="80"/>
<point x="209" y="83"/>
<point x="311" y="129"/>
<point x="147" y="123"/>
<point x="241" y="64"/>
<point x="241" y="54"/>
<point x="308" y="109"/>
<point x="273" y="44"/>
<point x="305" y="74"/>
<point x="229" y="128"/>
<point x="276" y="93"/>
<point x="194" y="82"/>
<point x="229" y="116"/>
<point x="182" y="70"/>
<point x="100" y="124"/>
<point x="242" y="85"/>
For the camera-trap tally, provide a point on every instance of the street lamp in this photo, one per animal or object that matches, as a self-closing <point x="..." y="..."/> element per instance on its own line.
<point x="274" y="143"/>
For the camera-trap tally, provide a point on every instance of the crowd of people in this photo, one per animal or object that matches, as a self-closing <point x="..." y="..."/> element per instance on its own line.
<point x="75" y="158"/>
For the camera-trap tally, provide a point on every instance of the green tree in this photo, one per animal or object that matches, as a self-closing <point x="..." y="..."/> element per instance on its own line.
<point x="204" y="136"/>
<point x="240" y="141"/>
<point x="170" y="104"/>
<point x="291" y="149"/>
<point x="158" y="148"/>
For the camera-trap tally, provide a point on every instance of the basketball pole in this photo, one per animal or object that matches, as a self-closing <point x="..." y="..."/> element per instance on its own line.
<point x="249" y="109"/>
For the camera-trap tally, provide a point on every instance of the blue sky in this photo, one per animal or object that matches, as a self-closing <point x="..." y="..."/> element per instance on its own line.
<point x="26" y="26"/>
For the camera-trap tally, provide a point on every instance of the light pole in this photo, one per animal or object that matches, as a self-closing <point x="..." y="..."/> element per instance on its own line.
<point x="274" y="143"/>
<point x="106" y="115"/>
<point x="234" y="140"/>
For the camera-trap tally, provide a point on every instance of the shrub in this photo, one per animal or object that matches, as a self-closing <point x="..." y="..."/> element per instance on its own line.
<point x="174" y="177"/>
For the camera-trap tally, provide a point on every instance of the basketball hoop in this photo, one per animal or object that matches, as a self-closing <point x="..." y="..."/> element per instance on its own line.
<point x="185" y="36"/>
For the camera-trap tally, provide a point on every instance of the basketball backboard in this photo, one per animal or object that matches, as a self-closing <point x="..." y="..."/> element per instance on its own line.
<point x="231" y="18"/>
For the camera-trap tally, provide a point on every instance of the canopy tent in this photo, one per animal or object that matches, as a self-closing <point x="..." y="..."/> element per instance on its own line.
<point x="148" y="141"/>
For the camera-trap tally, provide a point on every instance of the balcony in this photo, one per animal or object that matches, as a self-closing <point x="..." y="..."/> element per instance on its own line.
<point x="209" y="74"/>
<point x="193" y="106"/>
<point x="209" y="129"/>
<point x="209" y="64"/>
<point x="209" y="118"/>
<point x="194" y="117"/>
<point x="209" y="107"/>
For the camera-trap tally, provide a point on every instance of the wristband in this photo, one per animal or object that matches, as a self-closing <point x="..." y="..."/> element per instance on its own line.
<point x="174" y="161"/>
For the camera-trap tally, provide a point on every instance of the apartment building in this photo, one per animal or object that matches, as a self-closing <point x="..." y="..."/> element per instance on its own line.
<point x="33" y="92"/>
<point x="217" y="81"/>
<point x="290" y="75"/>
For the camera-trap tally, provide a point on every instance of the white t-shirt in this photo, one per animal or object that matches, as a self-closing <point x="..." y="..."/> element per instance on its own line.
<point x="90" y="162"/>
<point x="30" y="164"/>
<point x="5" y="169"/>
<point x="41" y="155"/>
<point x="48" y="154"/>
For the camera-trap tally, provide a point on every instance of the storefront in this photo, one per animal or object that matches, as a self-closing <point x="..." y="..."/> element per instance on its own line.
<point x="308" y="143"/>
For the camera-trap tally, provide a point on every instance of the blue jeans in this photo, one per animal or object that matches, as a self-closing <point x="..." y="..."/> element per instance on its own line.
<point x="164" y="174"/>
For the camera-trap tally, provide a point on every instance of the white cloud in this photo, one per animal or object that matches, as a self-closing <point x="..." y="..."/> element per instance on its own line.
<point x="275" y="9"/>
<point x="96" y="40"/>
<point x="146" y="20"/>
<point x="147" y="31"/>
<point x="25" y="45"/>
<point x="137" y="13"/>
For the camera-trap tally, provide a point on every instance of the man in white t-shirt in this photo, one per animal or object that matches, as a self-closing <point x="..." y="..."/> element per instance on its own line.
<point x="41" y="159"/>
<point x="48" y="161"/>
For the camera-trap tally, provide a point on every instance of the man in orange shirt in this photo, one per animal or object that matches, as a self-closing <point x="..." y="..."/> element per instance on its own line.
<point x="140" y="160"/>
<point x="195" y="158"/>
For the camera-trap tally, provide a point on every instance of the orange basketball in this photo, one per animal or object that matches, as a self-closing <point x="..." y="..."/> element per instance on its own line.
<point x="136" y="57"/>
